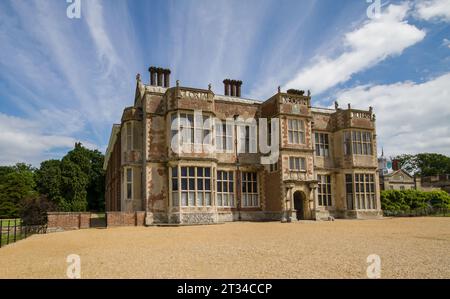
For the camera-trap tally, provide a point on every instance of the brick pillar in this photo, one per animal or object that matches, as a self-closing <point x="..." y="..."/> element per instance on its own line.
<point x="238" y="88"/>
<point x="167" y="78"/>
<point x="233" y="88"/>
<point x="152" y="71"/>
<point x="226" y="84"/>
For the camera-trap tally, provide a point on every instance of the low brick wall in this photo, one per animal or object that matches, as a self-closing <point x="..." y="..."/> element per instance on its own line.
<point x="62" y="221"/>
<point x="125" y="219"/>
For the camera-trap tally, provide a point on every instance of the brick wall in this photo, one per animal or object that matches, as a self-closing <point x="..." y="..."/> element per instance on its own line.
<point x="62" y="221"/>
<point x="125" y="219"/>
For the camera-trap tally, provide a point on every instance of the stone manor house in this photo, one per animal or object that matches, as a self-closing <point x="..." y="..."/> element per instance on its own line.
<point x="327" y="162"/>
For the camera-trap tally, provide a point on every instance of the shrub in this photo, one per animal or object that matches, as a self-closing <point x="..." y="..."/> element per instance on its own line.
<point x="33" y="210"/>
<point x="395" y="200"/>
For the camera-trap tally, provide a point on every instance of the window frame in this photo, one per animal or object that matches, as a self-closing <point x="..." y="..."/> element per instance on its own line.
<point x="128" y="183"/>
<point x="301" y="164"/>
<point x="129" y="135"/>
<point x="324" y="190"/>
<point x="224" y="136"/>
<point x="192" y="179"/>
<point x="186" y="127"/>
<point x="245" y="181"/>
<point x="228" y="182"/>
<point x="322" y="144"/>
<point x="298" y="130"/>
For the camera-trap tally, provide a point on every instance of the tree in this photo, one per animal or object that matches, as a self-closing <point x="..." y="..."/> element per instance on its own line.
<point x="75" y="183"/>
<point x="425" y="164"/>
<point x="16" y="183"/>
<point x="49" y="180"/>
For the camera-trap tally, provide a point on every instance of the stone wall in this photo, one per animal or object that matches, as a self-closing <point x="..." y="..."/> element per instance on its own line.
<point x="125" y="219"/>
<point x="62" y="221"/>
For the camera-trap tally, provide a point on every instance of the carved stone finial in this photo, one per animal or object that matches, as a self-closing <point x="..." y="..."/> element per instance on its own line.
<point x="336" y="105"/>
<point x="309" y="93"/>
<point x="373" y="117"/>
<point x="371" y="109"/>
<point x="138" y="77"/>
<point x="279" y="89"/>
<point x="178" y="83"/>
<point x="349" y="106"/>
<point x="209" y="86"/>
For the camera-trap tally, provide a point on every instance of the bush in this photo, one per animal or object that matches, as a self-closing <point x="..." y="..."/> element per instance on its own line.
<point x="33" y="211"/>
<point x="396" y="201"/>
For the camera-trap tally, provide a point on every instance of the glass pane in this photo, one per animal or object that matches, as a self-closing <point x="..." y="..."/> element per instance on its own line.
<point x="219" y="175"/>
<point x="191" y="184"/>
<point x="183" y="171"/>
<point x="191" y="171"/>
<point x="219" y="186"/>
<point x="191" y="198"/>
<point x="184" y="199"/>
<point x="207" y="184"/>
<point x="175" y="172"/>
<point x="208" y="172"/>
<point x="199" y="184"/>
<point x="183" y="184"/>
<point x="231" y="175"/>
<point x="175" y="184"/>
<point x="230" y="187"/>
<point x="129" y="175"/>
<point x="225" y="175"/>
<point x="200" y="171"/>
<point x="219" y="200"/>
<point x="200" y="199"/>
<point x="175" y="199"/>
<point x="225" y="187"/>
<point x="208" y="198"/>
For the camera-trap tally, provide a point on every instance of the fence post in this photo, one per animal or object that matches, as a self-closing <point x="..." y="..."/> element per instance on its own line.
<point x="15" y="230"/>
<point x="7" y="240"/>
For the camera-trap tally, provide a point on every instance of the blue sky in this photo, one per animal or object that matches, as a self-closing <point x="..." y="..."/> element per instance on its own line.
<point x="64" y="80"/>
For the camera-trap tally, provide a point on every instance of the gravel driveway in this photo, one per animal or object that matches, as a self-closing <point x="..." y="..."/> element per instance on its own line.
<point x="408" y="247"/>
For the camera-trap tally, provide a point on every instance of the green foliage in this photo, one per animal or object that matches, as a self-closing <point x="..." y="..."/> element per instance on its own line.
<point x="33" y="210"/>
<point x="74" y="183"/>
<point x="425" y="164"/>
<point x="16" y="183"/>
<point x="394" y="200"/>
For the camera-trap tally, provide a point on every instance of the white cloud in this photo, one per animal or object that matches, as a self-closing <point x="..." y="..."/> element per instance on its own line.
<point x="433" y="10"/>
<point x="446" y="42"/>
<point x="375" y="41"/>
<point x="411" y="117"/>
<point x="23" y="140"/>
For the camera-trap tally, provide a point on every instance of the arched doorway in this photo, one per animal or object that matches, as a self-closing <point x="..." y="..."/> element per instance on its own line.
<point x="299" y="199"/>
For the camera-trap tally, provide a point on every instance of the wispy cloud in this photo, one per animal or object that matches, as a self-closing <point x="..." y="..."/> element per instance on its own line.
<point x="70" y="78"/>
<point x="375" y="41"/>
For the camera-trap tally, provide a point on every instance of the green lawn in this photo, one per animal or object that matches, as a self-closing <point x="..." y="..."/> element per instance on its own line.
<point x="11" y="222"/>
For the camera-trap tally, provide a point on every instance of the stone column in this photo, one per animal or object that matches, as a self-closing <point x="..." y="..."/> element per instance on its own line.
<point x="167" y="78"/>
<point x="159" y="73"/>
